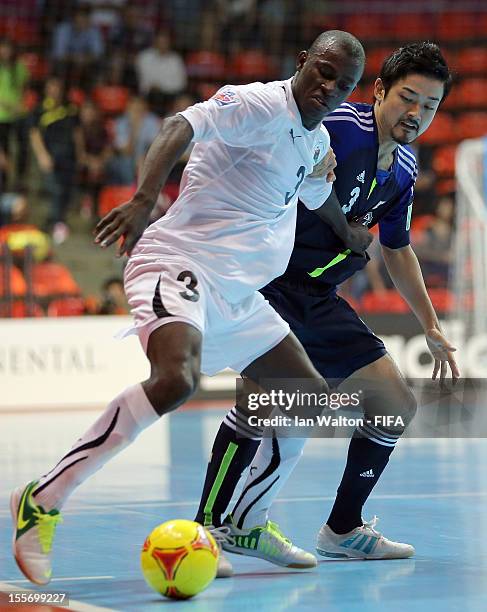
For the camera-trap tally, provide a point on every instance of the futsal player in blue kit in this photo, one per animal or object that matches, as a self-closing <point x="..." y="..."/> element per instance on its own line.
<point x="375" y="176"/>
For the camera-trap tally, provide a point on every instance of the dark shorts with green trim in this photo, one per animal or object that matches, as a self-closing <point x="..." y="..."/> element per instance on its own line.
<point x="335" y="338"/>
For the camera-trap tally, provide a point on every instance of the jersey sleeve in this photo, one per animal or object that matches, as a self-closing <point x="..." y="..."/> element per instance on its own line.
<point x="238" y="115"/>
<point x="315" y="190"/>
<point x="394" y="226"/>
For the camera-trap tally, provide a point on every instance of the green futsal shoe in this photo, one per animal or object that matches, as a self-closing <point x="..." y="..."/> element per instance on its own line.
<point x="33" y="534"/>
<point x="266" y="542"/>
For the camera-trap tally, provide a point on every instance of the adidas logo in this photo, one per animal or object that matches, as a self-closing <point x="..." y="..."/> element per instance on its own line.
<point x="361" y="177"/>
<point x="368" y="474"/>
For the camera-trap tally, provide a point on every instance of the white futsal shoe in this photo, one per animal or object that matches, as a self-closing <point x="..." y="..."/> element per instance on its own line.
<point x="221" y="535"/>
<point x="361" y="543"/>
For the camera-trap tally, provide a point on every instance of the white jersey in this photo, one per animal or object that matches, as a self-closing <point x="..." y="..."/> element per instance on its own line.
<point x="235" y="216"/>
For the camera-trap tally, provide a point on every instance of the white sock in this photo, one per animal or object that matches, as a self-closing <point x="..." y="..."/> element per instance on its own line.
<point x="271" y="467"/>
<point x="123" y="419"/>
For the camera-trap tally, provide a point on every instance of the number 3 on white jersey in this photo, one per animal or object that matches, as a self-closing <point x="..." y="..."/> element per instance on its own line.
<point x="354" y="194"/>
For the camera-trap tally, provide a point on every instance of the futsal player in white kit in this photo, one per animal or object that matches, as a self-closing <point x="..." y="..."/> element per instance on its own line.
<point x="193" y="276"/>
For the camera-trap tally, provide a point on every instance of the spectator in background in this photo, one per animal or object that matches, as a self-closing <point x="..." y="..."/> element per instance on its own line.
<point x="13" y="81"/>
<point x="4" y="169"/>
<point x="53" y="134"/>
<point x="105" y="14"/>
<point x="93" y="154"/>
<point x="435" y="250"/>
<point x="134" y="133"/>
<point x="17" y="232"/>
<point x="126" y="40"/>
<point x="188" y="31"/>
<point x="235" y="21"/>
<point x="272" y="17"/>
<point x="77" y="48"/>
<point x="113" y="300"/>
<point x="161" y="71"/>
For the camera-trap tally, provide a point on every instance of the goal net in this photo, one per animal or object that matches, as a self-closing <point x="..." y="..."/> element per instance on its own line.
<point x="469" y="272"/>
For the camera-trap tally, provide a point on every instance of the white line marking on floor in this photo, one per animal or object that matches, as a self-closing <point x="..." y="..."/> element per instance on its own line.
<point x="69" y="579"/>
<point x="132" y="507"/>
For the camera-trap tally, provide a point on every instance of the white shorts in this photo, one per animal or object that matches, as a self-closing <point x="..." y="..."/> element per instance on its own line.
<point x="172" y="289"/>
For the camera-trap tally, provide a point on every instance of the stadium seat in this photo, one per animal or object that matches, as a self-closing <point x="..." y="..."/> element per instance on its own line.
<point x="112" y="99"/>
<point x="16" y="284"/>
<point x="445" y="186"/>
<point x="76" y="96"/>
<point x="421" y="223"/>
<point x="37" y="65"/>
<point x="443" y="300"/>
<point x="113" y="195"/>
<point x="375" y="59"/>
<point x="385" y="301"/>
<point x="171" y="190"/>
<point x="24" y="32"/>
<point x="206" y="90"/>
<point x="441" y="131"/>
<point x="252" y="65"/>
<point x="472" y="61"/>
<point x="456" y="26"/>
<point x="472" y="125"/>
<point x="367" y="27"/>
<point x="451" y="102"/>
<point x="67" y="307"/>
<point x="472" y="93"/>
<point x="444" y="161"/>
<point x="51" y="278"/>
<point x="411" y="26"/>
<point x="206" y="65"/>
<point x="358" y="95"/>
<point x="30" y="99"/>
<point x="20" y="310"/>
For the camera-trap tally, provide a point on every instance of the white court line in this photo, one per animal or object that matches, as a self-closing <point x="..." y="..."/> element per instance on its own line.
<point x="120" y="507"/>
<point x="69" y="579"/>
<point x="79" y="606"/>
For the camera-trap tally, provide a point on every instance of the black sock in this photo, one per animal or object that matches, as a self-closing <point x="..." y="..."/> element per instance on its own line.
<point x="366" y="461"/>
<point x="231" y="454"/>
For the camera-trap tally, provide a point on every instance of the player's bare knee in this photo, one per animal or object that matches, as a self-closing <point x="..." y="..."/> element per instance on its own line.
<point x="169" y="389"/>
<point x="410" y="407"/>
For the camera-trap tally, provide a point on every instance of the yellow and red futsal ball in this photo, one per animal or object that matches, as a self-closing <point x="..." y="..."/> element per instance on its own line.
<point x="179" y="559"/>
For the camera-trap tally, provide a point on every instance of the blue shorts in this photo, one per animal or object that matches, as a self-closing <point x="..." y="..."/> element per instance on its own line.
<point x="335" y="338"/>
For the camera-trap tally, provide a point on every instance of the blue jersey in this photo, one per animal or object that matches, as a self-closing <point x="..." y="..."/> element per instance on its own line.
<point x="367" y="194"/>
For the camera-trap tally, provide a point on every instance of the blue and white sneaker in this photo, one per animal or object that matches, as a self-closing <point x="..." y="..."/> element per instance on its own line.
<point x="361" y="543"/>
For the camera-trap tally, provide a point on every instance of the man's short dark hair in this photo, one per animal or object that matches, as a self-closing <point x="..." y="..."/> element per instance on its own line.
<point x="347" y="41"/>
<point x="423" y="58"/>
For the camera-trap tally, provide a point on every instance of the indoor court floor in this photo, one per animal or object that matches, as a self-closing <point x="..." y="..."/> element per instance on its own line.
<point x="433" y="495"/>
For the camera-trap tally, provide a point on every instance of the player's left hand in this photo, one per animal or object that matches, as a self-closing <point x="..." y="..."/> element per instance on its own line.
<point x="442" y="352"/>
<point x="325" y="167"/>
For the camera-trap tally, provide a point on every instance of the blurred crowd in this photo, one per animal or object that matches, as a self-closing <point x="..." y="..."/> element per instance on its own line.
<point x="85" y="85"/>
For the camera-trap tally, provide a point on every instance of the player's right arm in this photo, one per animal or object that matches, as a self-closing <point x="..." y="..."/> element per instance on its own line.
<point x="355" y="237"/>
<point x="130" y="219"/>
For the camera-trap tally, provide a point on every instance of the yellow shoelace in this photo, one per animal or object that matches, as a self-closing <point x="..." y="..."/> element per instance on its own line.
<point x="47" y="524"/>
<point x="274" y="527"/>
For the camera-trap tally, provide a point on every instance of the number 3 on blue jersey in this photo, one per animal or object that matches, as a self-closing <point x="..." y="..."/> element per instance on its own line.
<point x="300" y="174"/>
<point x="354" y="194"/>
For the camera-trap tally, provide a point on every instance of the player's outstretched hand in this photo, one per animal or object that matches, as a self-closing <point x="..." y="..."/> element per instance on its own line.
<point x="359" y="238"/>
<point x="128" y="221"/>
<point x="442" y="352"/>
